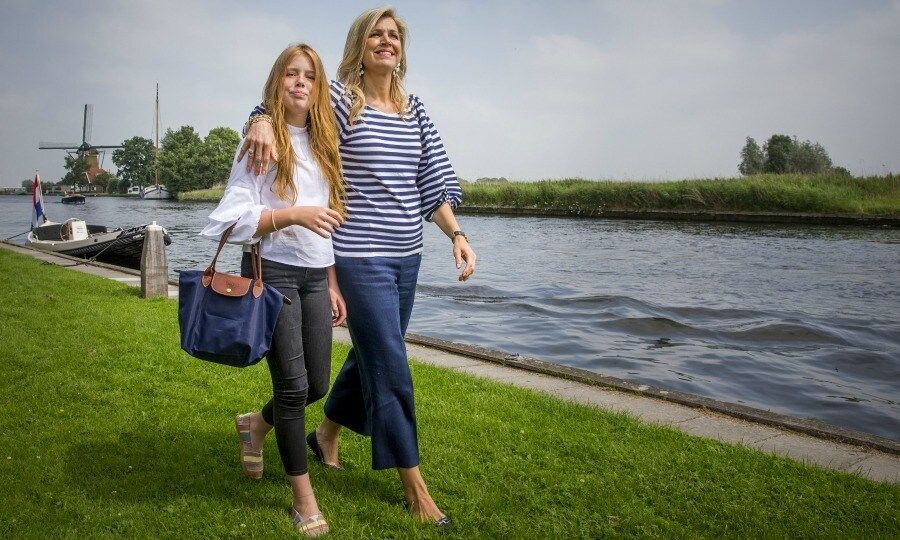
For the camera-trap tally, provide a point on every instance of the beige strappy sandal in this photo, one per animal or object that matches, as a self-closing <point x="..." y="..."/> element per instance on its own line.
<point x="251" y="460"/>
<point x="313" y="526"/>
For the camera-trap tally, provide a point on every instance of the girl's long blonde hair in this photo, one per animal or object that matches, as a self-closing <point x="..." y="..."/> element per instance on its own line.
<point x="321" y="123"/>
<point x="351" y="64"/>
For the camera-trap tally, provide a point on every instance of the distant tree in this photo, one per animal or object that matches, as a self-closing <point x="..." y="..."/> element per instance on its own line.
<point x="841" y="171"/>
<point x="26" y="184"/>
<point x="778" y="154"/>
<point x="102" y="180"/>
<point x="221" y="144"/>
<point x="112" y="186"/>
<point x="187" y="162"/>
<point x="184" y="160"/>
<point x="76" y="167"/>
<point x="489" y="180"/>
<point x="808" y="157"/>
<point x="136" y="161"/>
<point x="752" y="159"/>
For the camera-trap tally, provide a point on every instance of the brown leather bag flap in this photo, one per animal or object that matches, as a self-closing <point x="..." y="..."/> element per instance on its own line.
<point x="231" y="285"/>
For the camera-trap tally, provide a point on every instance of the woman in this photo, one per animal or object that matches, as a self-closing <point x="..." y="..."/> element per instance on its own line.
<point x="292" y="210"/>
<point x="397" y="173"/>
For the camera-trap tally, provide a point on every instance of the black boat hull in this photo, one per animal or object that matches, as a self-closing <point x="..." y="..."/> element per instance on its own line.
<point x="125" y="250"/>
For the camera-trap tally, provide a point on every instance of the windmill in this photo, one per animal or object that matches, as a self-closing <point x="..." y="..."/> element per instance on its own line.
<point x="84" y="150"/>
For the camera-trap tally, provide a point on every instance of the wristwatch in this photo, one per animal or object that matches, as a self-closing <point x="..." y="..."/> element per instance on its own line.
<point x="458" y="233"/>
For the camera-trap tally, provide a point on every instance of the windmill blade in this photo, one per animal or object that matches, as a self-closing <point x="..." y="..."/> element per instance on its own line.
<point x="88" y="123"/>
<point x="57" y="146"/>
<point x="106" y="146"/>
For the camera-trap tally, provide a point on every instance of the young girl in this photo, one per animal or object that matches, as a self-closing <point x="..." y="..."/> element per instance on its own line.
<point x="292" y="210"/>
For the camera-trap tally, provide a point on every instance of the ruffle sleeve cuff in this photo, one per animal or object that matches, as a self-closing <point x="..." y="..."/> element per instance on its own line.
<point x="238" y="207"/>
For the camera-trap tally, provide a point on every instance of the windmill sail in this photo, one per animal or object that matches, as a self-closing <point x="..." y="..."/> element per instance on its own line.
<point x="88" y="125"/>
<point x="85" y="146"/>
<point x="58" y="146"/>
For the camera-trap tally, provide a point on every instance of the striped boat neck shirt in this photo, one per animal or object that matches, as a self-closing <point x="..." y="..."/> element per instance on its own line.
<point x="396" y="172"/>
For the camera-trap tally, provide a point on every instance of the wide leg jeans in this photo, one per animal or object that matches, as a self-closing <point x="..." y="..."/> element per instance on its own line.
<point x="373" y="393"/>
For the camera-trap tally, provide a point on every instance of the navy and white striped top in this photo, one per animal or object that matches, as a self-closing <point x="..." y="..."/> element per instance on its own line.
<point x="396" y="172"/>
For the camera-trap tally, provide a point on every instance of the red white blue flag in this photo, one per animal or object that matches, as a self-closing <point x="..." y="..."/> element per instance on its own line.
<point x="38" y="217"/>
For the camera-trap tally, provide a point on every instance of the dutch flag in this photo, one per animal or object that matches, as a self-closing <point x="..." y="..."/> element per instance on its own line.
<point x="38" y="217"/>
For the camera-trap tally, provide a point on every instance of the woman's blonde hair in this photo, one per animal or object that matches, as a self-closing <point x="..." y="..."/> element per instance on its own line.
<point x="348" y="72"/>
<point x="322" y="126"/>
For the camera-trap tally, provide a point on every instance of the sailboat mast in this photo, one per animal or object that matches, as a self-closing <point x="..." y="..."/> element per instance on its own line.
<point x="156" y="139"/>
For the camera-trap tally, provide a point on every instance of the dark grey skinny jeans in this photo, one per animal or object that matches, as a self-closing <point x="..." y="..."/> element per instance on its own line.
<point x="300" y="357"/>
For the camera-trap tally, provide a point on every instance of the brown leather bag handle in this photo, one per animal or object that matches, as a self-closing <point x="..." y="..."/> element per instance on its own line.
<point x="255" y="264"/>
<point x="222" y="241"/>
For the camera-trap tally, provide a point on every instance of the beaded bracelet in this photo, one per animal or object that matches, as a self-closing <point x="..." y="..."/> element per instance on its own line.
<point x="254" y="119"/>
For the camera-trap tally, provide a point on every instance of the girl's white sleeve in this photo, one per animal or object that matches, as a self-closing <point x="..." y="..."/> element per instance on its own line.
<point x="240" y="206"/>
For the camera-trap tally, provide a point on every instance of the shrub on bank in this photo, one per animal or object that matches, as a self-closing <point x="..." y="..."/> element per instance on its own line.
<point x="828" y="193"/>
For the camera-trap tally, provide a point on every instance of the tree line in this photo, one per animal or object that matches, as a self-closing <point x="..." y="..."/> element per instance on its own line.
<point x="186" y="162"/>
<point x="782" y="154"/>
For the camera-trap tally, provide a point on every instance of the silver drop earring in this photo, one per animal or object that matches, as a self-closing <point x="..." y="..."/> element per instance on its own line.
<point x="397" y="70"/>
<point x="361" y="70"/>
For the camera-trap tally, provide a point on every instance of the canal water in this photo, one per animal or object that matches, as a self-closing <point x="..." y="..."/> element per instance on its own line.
<point x="802" y="320"/>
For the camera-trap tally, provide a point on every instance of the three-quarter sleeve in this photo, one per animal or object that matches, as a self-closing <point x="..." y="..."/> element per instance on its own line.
<point x="436" y="181"/>
<point x="240" y="206"/>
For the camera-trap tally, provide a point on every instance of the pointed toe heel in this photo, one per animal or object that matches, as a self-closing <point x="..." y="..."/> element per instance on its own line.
<point x="313" y="443"/>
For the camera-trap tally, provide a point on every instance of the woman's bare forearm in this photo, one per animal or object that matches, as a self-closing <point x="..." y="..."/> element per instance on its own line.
<point x="445" y="220"/>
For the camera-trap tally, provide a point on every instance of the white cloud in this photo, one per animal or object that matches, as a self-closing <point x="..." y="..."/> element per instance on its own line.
<point x="564" y="55"/>
<point x="607" y="89"/>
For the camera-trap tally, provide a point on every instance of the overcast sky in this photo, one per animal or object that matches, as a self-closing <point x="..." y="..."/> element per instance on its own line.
<point x="527" y="90"/>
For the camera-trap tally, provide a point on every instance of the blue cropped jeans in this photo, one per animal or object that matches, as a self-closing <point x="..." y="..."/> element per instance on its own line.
<point x="373" y="393"/>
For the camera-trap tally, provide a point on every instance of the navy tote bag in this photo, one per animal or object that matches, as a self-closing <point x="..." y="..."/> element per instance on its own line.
<point x="225" y="318"/>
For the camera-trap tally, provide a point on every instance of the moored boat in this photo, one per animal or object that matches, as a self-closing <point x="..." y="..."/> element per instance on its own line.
<point x="70" y="197"/>
<point x="155" y="191"/>
<point x="121" y="247"/>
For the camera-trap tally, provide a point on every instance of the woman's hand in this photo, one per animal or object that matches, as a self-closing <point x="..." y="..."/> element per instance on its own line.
<point x="320" y="220"/>
<point x="259" y="145"/>
<point x="462" y="252"/>
<point x="338" y="306"/>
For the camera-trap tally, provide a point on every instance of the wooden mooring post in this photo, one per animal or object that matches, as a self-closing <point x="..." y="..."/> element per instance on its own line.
<point x="154" y="269"/>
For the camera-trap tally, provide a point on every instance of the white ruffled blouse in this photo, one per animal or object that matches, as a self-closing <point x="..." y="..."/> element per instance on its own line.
<point x="247" y="195"/>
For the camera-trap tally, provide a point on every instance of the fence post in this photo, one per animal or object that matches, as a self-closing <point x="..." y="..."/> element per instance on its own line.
<point x="154" y="269"/>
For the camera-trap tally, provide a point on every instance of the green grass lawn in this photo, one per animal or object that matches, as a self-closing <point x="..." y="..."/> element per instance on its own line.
<point x="110" y="430"/>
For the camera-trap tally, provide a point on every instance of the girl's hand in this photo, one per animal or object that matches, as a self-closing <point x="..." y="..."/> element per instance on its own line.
<point x="320" y="220"/>
<point x="259" y="145"/>
<point x="462" y="252"/>
<point x="338" y="307"/>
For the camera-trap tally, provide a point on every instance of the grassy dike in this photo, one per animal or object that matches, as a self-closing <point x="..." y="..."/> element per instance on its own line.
<point x="211" y="194"/>
<point x="788" y="193"/>
<point x="825" y="194"/>
<point x="110" y="430"/>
